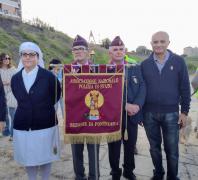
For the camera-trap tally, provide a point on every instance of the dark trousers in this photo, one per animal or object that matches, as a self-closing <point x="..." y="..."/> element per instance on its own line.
<point x="78" y="162"/>
<point x="129" y="145"/>
<point x="158" y="126"/>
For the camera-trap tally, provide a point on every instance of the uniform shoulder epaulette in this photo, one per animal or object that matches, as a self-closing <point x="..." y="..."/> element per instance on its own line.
<point x="132" y="64"/>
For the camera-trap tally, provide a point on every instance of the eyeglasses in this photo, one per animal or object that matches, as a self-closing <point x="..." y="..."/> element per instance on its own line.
<point x="79" y="49"/>
<point x="7" y="58"/>
<point x="31" y="55"/>
<point x="118" y="49"/>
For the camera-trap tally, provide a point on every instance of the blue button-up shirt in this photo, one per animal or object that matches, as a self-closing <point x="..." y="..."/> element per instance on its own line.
<point x="157" y="61"/>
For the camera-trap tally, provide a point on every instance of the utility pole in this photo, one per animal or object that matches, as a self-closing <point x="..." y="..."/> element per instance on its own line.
<point x="92" y="44"/>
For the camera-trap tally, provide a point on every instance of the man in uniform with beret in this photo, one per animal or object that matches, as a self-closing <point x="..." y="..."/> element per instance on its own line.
<point x="80" y="53"/>
<point x="133" y="100"/>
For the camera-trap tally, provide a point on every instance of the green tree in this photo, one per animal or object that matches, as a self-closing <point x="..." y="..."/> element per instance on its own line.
<point x="106" y="43"/>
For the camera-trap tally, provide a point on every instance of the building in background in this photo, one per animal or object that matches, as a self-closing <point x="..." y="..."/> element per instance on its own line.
<point x="11" y="9"/>
<point x="191" y="52"/>
<point x="143" y="51"/>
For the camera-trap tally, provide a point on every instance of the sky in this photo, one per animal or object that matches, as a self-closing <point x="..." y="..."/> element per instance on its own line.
<point x="133" y="20"/>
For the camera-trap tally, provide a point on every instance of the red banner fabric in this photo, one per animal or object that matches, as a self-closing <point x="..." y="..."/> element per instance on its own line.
<point x="93" y="106"/>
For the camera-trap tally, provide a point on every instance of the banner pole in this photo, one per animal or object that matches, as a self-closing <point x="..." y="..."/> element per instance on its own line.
<point x="55" y="148"/>
<point x="126" y="118"/>
<point x="96" y="161"/>
<point x="96" y="158"/>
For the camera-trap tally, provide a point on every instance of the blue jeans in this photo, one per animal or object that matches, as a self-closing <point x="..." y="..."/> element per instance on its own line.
<point x="78" y="163"/>
<point x="158" y="126"/>
<point x="11" y="112"/>
<point x="8" y="130"/>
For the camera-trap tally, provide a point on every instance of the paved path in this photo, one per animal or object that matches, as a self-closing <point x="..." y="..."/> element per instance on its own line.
<point x="188" y="164"/>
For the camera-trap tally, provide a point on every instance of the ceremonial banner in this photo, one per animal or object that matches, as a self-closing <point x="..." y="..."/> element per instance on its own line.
<point x="93" y="104"/>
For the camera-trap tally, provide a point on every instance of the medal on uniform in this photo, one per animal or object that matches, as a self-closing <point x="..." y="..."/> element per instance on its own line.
<point x="134" y="79"/>
<point x="171" y="68"/>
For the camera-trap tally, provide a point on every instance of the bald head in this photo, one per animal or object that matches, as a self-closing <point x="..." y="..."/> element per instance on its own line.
<point x="160" y="34"/>
<point x="160" y="42"/>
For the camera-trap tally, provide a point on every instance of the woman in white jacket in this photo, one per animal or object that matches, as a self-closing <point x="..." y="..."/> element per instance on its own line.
<point x="7" y="70"/>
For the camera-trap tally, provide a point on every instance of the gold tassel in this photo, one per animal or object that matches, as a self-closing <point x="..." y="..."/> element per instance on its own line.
<point x="125" y="135"/>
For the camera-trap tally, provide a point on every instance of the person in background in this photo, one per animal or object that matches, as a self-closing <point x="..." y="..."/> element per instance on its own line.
<point x="168" y="86"/>
<point x="7" y="70"/>
<point x="194" y="83"/>
<point x="129" y="59"/>
<point x="55" y="66"/>
<point x="35" y="136"/>
<point x="2" y="107"/>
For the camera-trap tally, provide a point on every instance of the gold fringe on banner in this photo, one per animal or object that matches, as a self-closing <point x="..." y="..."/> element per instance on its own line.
<point x="92" y="139"/>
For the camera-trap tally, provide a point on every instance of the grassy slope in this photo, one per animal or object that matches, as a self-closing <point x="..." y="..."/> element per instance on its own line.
<point x="54" y="44"/>
<point x="192" y="63"/>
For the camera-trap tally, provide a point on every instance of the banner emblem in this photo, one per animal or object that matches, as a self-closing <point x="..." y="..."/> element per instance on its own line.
<point x="94" y="100"/>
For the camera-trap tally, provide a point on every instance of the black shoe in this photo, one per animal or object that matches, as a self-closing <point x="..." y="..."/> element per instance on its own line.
<point x="116" y="174"/>
<point x="135" y="150"/>
<point x="129" y="176"/>
<point x="83" y="178"/>
<point x="114" y="177"/>
<point x="171" y="178"/>
<point x="157" y="177"/>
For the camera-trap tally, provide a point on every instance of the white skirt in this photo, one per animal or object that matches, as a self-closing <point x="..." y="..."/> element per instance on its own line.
<point x="37" y="147"/>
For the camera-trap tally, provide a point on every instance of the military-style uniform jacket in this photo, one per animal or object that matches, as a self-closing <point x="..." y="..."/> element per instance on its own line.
<point x="136" y="90"/>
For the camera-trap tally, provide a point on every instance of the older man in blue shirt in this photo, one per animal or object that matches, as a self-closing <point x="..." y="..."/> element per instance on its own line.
<point x="167" y="83"/>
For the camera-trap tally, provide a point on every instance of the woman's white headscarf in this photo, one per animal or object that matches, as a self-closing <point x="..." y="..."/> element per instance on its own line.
<point x="31" y="47"/>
